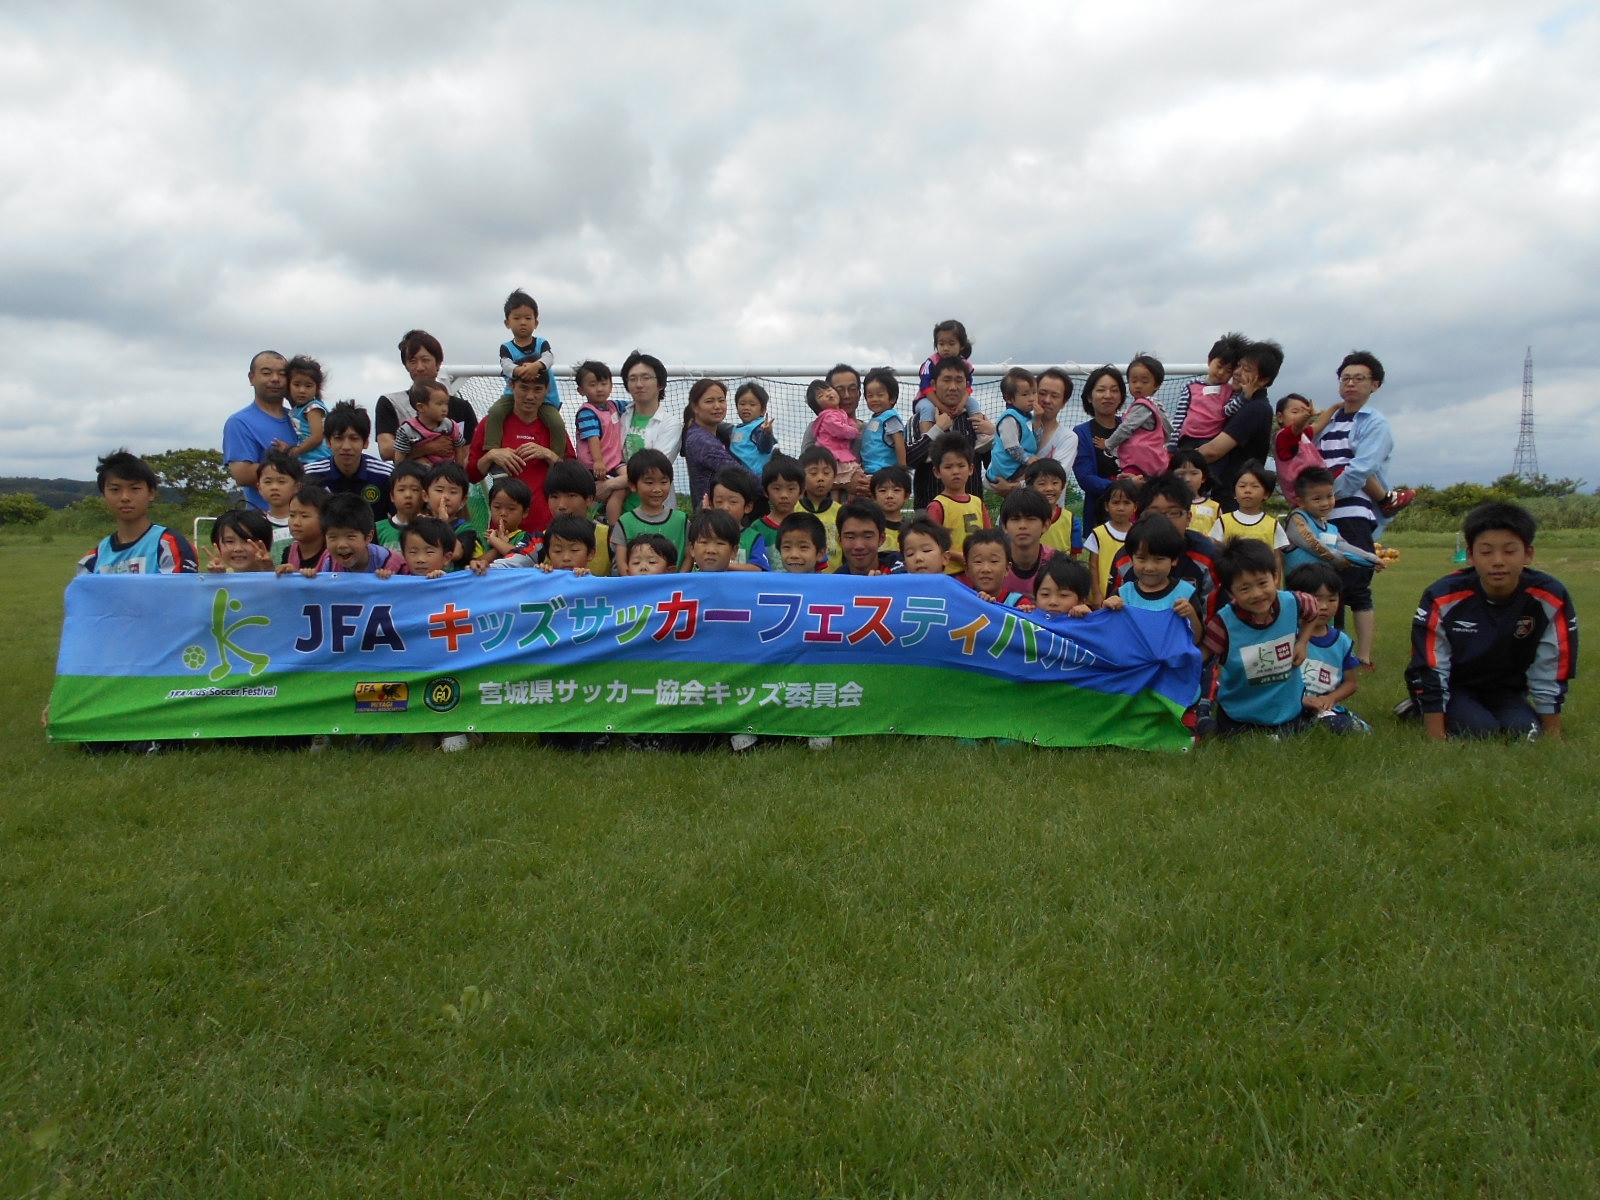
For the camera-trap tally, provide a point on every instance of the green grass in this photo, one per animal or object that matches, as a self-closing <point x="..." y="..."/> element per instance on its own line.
<point x="903" y="968"/>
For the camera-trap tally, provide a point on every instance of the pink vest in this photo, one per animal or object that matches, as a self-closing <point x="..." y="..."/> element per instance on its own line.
<point x="1145" y="453"/>
<point x="1305" y="455"/>
<point x="1204" y="418"/>
<point x="451" y="429"/>
<point x="610" y="438"/>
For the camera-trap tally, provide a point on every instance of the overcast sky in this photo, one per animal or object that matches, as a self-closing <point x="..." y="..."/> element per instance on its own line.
<point x="799" y="182"/>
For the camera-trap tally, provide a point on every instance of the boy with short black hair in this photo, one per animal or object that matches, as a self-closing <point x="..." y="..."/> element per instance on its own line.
<point x="1024" y="516"/>
<point x="650" y="474"/>
<point x="570" y="492"/>
<point x="861" y="524"/>
<point x="347" y="526"/>
<point x="447" y="488"/>
<point x="569" y="545"/>
<point x="277" y="479"/>
<point x="1256" y="684"/>
<point x="308" y="551"/>
<point x="1329" y="667"/>
<point x="883" y="436"/>
<point x="427" y="545"/>
<point x="650" y="554"/>
<point x="890" y="489"/>
<point x="522" y="318"/>
<point x="987" y="553"/>
<point x="408" y="499"/>
<point x="925" y="546"/>
<point x="1493" y="646"/>
<point x="713" y="539"/>
<point x="1064" y="532"/>
<point x="736" y="490"/>
<point x="1313" y="537"/>
<point x="803" y="544"/>
<point x="821" y="470"/>
<point x="1015" y="442"/>
<point x="349" y="470"/>
<point x="1063" y="588"/>
<point x="962" y="513"/>
<point x="783" y="480"/>
<point x="509" y="501"/>
<point x="139" y="546"/>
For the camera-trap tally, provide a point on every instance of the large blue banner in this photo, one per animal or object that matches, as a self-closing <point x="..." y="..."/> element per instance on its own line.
<point x="218" y="655"/>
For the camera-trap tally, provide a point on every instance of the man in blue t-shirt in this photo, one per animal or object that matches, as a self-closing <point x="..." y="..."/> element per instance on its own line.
<point x="260" y="426"/>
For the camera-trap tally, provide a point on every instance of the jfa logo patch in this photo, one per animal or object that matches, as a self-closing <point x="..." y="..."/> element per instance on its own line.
<point x="1268" y="662"/>
<point x="1270" y="654"/>
<point x="1319" y="676"/>
<point x="1524" y="627"/>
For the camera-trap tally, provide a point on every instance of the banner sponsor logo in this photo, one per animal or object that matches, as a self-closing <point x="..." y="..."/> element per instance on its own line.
<point x="382" y="697"/>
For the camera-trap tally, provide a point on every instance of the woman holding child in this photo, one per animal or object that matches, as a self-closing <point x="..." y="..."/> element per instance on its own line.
<point x="1104" y="394"/>
<point x="705" y="452"/>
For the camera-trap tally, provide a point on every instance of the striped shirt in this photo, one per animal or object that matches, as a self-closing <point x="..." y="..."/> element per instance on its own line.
<point x="1337" y="450"/>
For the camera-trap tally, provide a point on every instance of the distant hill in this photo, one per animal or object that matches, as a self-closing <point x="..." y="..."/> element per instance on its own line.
<point x="57" y="493"/>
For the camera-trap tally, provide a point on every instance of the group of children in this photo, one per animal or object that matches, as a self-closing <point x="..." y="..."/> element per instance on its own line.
<point x="1494" y="645"/>
<point x="1259" y="595"/>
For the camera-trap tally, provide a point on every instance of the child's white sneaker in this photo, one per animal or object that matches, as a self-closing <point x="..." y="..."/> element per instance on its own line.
<point x="455" y="741"/>
<point x="319" y="743"/>
<point x="819" y="743"/>
<point x="742" y="741"/>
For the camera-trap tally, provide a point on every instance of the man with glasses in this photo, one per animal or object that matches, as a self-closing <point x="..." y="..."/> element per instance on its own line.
<point x="845" y="380"/>
<point x="1357" y="444"/>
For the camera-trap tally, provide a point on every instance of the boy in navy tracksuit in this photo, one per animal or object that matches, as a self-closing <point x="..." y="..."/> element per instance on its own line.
<point x="1493" y="646"/>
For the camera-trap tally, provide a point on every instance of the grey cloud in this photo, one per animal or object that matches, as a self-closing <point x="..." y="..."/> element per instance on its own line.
<point x="803" y="183"/>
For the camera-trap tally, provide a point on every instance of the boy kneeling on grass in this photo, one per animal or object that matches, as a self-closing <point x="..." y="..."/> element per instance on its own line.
<point x="1255" y="643"/>
<point x="1493" y="645"/>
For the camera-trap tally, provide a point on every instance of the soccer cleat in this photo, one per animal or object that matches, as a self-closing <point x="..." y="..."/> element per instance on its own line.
<point x="1397" y="499"/>
<point x="1407" y="710"/>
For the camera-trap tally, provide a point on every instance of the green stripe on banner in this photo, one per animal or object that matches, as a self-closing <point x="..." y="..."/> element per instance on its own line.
<point x="788" y="700"/>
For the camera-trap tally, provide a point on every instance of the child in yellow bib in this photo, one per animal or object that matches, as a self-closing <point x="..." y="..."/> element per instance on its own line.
<point x="1250" y="519"/>
<point x="1104" y="542"/>
<point x="953" y="465"/>
<point x="1191" y="467"/>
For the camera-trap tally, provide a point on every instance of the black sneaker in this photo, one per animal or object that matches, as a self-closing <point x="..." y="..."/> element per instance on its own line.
<point x="1408" y="710"/>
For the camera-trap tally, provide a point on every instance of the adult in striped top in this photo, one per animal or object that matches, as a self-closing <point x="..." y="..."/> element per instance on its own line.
<point x="1356" y="445"/>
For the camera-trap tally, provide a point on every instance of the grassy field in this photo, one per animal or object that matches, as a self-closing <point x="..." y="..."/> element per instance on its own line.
<point x="902" y="968"/>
